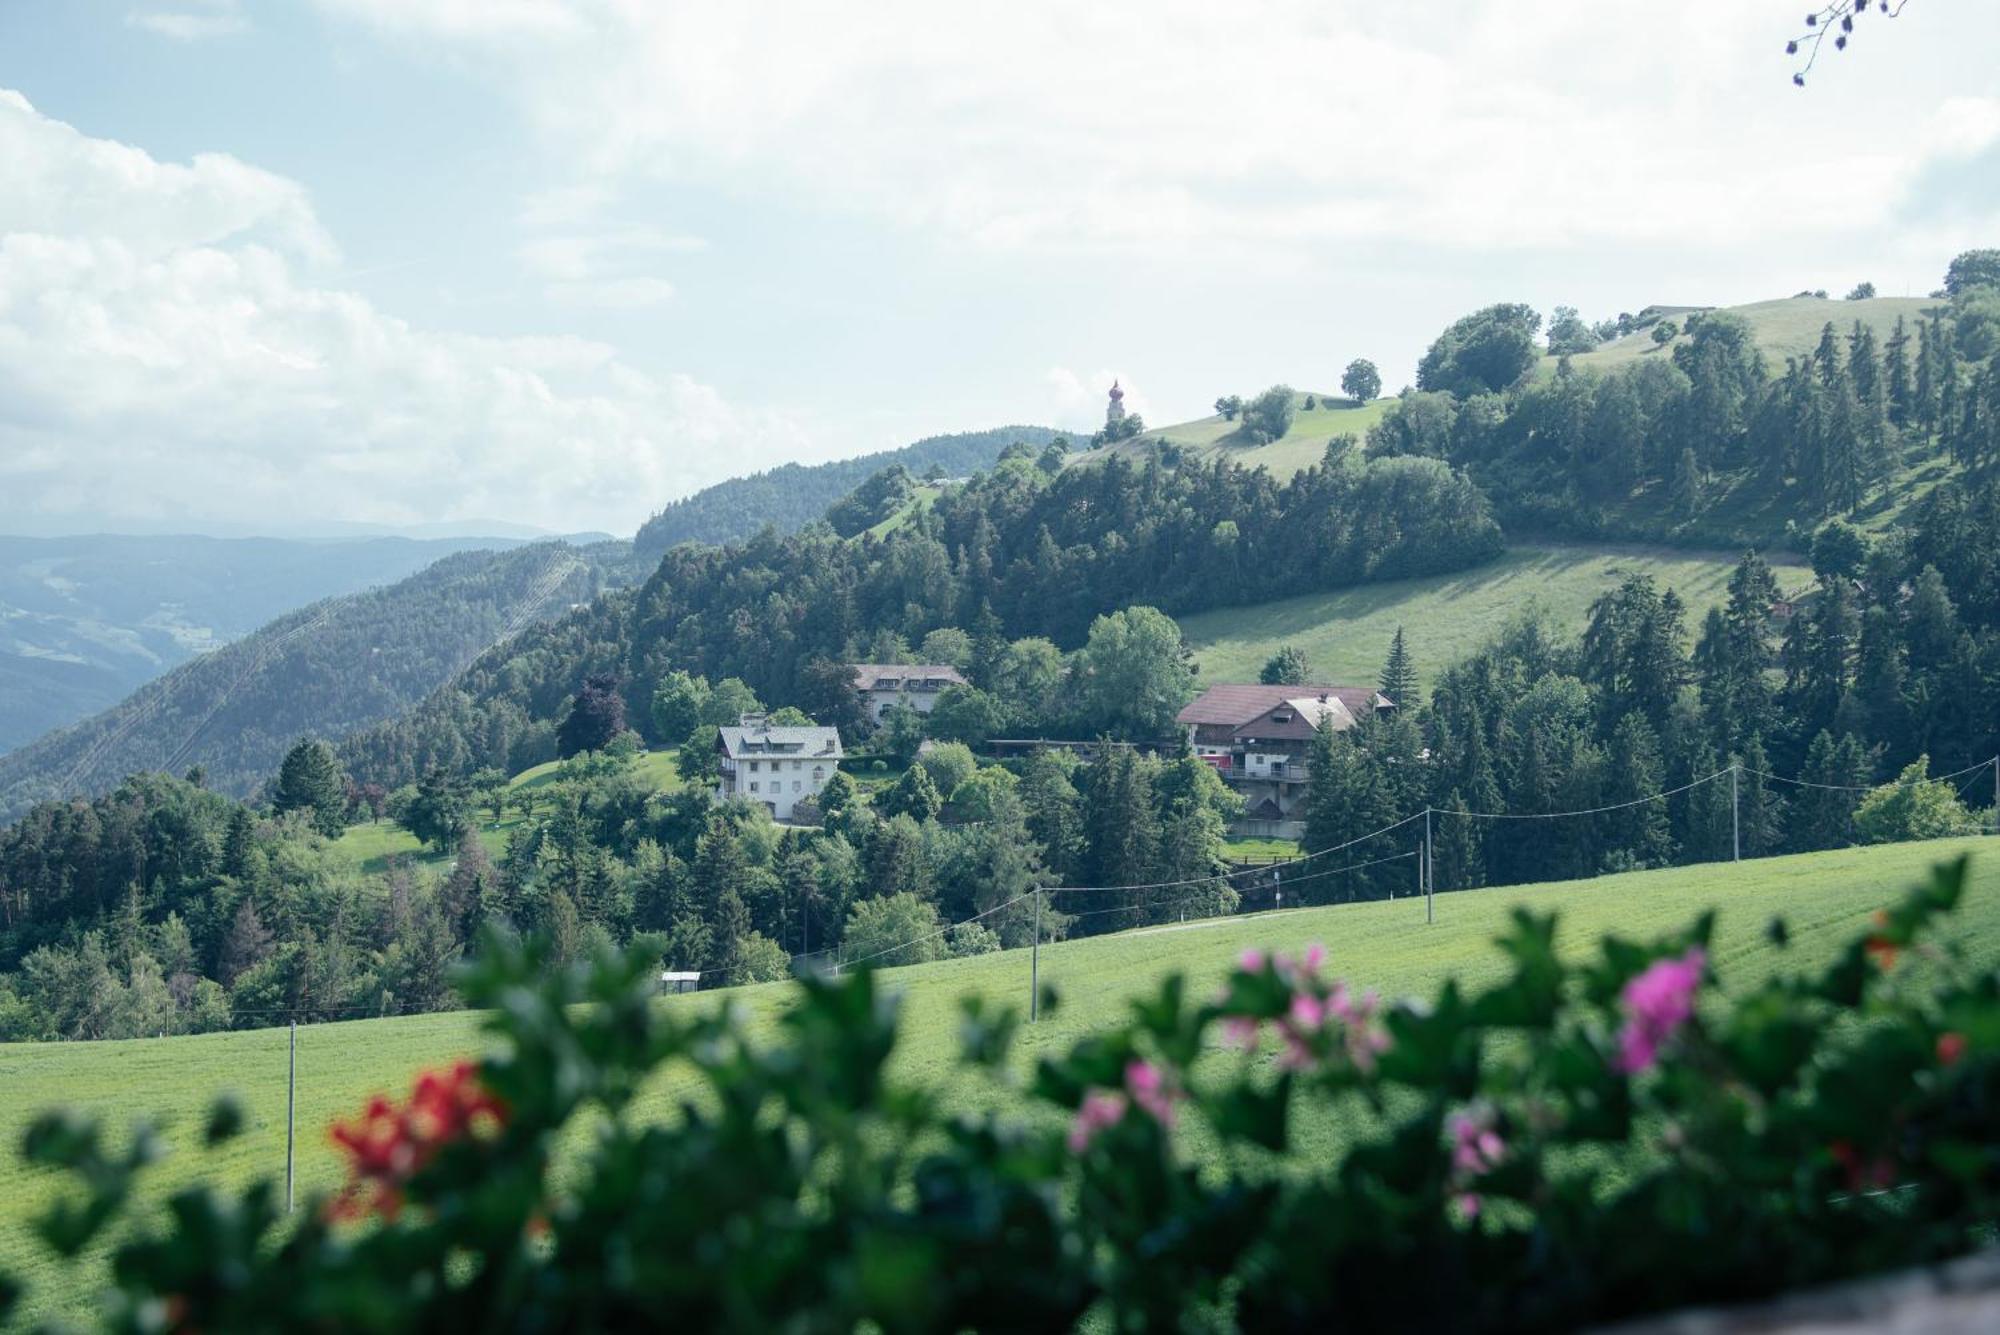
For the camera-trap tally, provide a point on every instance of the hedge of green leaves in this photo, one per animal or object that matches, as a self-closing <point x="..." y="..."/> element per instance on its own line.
<point x="1580" y="1142"/>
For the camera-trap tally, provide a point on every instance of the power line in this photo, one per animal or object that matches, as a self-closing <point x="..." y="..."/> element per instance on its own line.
<point x="1241" y="871"/>
<point x="1898" y="781"/>
<point x="1587" y="811"/>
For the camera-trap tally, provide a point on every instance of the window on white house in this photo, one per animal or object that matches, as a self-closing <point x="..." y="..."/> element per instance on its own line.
<point x="796" y="785"/>
<point x="819" y="775"/>
<point x="753" y="785"/>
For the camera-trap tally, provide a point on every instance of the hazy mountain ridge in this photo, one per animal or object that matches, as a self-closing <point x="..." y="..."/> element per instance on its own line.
<point x="85" y="620"/>
<point x="793" y="495"/>
<point x="327" y="669"/>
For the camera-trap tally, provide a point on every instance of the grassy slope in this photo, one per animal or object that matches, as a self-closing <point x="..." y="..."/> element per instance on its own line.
<point x="1789" y="327"/>
<point x="1346" y="632"/>
<point x="1301" y="447"/>
<point x="371" y="846"/>
<point x="1825" y="896"/>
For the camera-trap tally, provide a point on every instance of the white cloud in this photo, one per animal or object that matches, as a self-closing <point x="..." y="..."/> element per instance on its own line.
<point x="1299" y="125"/>
<point x="169" y="352"/>
<point x="606" y="268"/>
<point x="220" y="18"/>
<point x="612" y="293"/>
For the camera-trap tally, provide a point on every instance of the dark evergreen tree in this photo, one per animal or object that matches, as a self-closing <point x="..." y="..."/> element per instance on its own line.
<point x="310" y="781"/>
<point x="1399" y="676"/>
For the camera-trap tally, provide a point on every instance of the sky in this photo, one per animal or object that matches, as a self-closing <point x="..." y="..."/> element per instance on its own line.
<point x="276" y="267"/>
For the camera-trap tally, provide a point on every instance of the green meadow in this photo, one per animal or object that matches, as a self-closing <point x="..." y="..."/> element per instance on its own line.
<point x="373" y="845"/>
<point x="1387" y="946"/>
<point x="1346" y="633"/>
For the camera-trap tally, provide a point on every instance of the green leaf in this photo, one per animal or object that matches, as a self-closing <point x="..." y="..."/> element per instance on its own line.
<point x="226" y="1120"/>
<point x="1244" y="1112"/>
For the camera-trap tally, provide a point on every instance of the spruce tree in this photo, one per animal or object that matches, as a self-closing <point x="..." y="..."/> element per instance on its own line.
<point x="1640" y="831"/>
<point x="310" y="780"/>
<point x="1120" y="827"/>
<point x="1896" y="369"/>
<point x="1760" y="811"/>
<point x="1399" y="676"/>
<point x="1456" y="859"/>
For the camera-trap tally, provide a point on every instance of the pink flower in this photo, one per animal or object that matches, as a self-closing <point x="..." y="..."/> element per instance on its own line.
<point x="1252" y="961"/>
<point x="1475" y="1146"/>
<point x="1469" y="1202"/>
<point x="1148" y="1087"/>
<point x="1657" y="1003"/>
<point x="1101" y="1108"/>
<point x="1240" y="1031"/>
<point x="1307" y="1012"/>
<point x="1315" y="957"/>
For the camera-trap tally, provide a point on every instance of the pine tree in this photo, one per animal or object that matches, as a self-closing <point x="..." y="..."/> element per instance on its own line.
<point x="239" y="843"/>
<point x="246" y="945"/>
<point x="1399" y="676"/>
<point x="1054" y="809"/>
<point x="1639" y="831"/>
<point x="1822" y="814"/>
<point x="1457" y="862"/>
<point x="310" y="781"/>
<point x="1121" y="831"/>
<point x="1878" y="682"/>
<point x="1923" y="408"/>
<point x="1896" y="367"/>
<point x="1760" y="811"/>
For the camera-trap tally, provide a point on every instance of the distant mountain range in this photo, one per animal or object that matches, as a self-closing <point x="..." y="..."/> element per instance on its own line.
<point x="86" y="620"/>
<point x="324" y="670"/>
<point x="791" y="497"/>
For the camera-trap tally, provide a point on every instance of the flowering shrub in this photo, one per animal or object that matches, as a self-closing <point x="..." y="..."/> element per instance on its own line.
<point x="1585" y="1140"/>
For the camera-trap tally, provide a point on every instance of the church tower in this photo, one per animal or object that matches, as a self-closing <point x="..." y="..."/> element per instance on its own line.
<point x="1115" y="412"/>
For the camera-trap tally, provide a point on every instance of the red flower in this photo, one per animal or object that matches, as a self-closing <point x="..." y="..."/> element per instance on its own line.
<point x="1880" y="947"/>
<point x="388" y="1144"/>
<point x="1950" y="1047"/>
<point x="1862" y="1173"/>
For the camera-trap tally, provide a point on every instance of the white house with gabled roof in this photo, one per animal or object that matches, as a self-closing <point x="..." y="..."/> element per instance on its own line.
<point x="778" y="766"/>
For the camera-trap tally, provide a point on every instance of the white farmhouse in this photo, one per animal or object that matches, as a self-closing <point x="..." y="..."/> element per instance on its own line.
<point x="777" y="766"/>
<point x="883" y="686"/>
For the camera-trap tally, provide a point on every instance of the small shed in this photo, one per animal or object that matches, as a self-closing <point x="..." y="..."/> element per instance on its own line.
<point x="679" y="980"/>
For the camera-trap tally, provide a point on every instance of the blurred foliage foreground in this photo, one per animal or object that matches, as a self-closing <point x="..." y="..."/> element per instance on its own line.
<point x="1582" y="1142"/>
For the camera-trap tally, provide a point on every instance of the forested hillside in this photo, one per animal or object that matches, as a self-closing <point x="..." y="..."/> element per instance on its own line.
<point x="85" y="621"/>
<point x="329" y="668"/>
<point x="1691" y="430"/>
<point x="792" y="496"/>
<point x="1031" y="548"/>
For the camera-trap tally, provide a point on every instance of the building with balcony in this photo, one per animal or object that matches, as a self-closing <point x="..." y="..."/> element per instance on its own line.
<point x="1258" y="737"/>
<point x="779" y="767"/>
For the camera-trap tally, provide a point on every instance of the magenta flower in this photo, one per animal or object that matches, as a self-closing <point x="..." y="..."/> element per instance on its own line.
<point x="1252" y="961"/>
<point x="1240" y="1031"/>
<point x="1657" y="1003"/>
<point x="1101" y="1108"/>
<point x="1148" y="1087"/>
<point x="1476" y="1147"/>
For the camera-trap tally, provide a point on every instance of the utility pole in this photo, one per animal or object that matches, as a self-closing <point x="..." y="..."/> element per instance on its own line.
<point x="291" y="1109"/>
<point x="1035" y="964"/>
<point x="1735" y="816"/>
<point x="1429" y="873"/>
